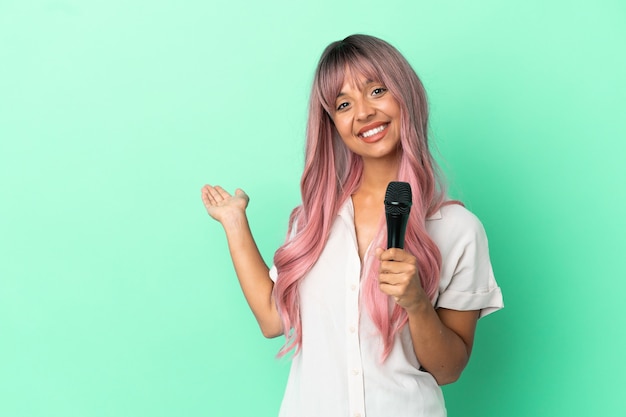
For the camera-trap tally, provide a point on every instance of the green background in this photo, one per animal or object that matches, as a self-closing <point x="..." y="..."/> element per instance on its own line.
<point x="117" y="295"/>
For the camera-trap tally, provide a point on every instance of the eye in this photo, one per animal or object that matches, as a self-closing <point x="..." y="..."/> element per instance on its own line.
<point x="342" y="106"/>
<point x="378" y="91"/>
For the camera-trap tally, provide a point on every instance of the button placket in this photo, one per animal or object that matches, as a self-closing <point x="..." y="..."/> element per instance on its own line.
<point x="354" y="362"/>
<point x="354" y="367"/>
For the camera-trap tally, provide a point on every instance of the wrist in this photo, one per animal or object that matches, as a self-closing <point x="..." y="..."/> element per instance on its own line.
<point x="234" y="220"/>
<point x="421" y="306"/>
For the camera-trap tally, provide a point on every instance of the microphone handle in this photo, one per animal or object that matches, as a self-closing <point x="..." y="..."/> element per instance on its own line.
<point x="396" y="227"/>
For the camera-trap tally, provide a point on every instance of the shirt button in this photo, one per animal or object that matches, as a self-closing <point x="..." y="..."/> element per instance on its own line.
<point x="355" y="372"/>
<point x="357" y="414"/>
<point x="352" y="329"/>
<point x="353" y="287"/>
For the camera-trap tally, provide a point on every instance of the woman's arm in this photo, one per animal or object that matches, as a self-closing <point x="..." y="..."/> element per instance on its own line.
<point x="251" y="270"/>
<point x="442" y="339"/>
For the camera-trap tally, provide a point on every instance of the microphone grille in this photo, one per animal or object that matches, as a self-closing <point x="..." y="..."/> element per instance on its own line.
<point x="398" y="198"/>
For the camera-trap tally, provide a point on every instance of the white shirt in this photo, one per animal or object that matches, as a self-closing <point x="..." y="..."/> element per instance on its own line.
<point x="338" y="371"/>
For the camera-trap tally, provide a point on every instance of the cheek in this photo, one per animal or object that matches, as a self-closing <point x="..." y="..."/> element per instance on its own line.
<point x="393" y="109"/>
<point x="344" y="129"/>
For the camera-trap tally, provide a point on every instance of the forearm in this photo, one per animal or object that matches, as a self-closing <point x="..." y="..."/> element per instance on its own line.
<point x="253" y="274"/>
<point x="439" y="349"/>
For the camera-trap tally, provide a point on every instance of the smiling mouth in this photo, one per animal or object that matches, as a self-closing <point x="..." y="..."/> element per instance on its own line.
<point x="372" y="132"/>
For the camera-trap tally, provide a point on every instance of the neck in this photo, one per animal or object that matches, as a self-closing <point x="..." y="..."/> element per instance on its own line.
<point x="377" y="174"/>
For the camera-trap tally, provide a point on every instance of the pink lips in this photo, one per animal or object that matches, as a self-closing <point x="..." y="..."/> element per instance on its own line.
<point x="375" y="137"/>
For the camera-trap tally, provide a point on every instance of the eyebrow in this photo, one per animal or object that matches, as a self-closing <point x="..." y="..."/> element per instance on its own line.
<point x="367" y="82"/>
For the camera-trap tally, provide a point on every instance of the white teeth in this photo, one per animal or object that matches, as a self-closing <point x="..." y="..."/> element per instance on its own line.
<point x="374" y="131"/>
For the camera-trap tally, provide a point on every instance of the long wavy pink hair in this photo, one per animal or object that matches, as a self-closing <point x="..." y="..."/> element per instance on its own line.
<point x="332" y="173"/>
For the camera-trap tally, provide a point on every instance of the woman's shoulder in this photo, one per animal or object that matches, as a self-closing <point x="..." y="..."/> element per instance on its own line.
<point x="453" y="213"/>
<point x="454" y="222"/>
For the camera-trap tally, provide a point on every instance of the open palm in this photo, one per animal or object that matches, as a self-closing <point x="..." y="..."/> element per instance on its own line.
<point x="220" y="204"/>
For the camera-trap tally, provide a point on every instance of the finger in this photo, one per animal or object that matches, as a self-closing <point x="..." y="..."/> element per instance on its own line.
<point x="206" y="200"/>
<point x="396" y="280"/>
<point x="397" y="255"/>
<point x="207" y="197"/>
<point x="241" y="193"/>
<point x="391" y="290"/>
<point x="204" y="191"/>
<point x="393" y="254"/>
<point x="396" y="267"/>
<point x="387" y="279"/>
<point x="400" y="291"/>
<point x="218" y="194"/>
<point x="386" y="288"/>
<point x="222" y="193"/>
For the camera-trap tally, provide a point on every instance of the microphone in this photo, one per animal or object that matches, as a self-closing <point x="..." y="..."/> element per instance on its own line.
<point x="398" y="201"/>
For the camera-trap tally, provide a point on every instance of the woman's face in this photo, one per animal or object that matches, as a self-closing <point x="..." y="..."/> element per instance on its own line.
<point x="367" y="117"/>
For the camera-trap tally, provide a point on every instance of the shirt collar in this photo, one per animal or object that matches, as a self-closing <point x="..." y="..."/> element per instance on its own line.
<point x="435" y="216"/>
<point x="347" y="210"/>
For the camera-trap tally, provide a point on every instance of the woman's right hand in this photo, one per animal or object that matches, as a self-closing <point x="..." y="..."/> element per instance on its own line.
<point x="221" y="205"/>
<point x="253" y="273"/>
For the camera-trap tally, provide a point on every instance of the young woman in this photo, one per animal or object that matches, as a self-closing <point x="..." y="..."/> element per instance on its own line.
<point x="373" y="331"/>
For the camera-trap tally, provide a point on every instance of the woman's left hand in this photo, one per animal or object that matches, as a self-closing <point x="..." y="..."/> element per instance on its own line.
<point x="442" y="339"/>
<point x="399" y="278"/>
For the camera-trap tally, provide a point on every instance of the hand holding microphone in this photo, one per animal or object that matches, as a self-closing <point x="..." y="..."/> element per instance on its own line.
<point x="398" y="275"/>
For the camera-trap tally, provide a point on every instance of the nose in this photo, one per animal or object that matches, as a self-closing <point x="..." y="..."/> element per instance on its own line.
<point x="364" y="109"/>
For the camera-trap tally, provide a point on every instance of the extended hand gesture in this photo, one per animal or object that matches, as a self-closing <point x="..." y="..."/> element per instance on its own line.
<point x="221" y="205"/>
<point x="252" y="272"/>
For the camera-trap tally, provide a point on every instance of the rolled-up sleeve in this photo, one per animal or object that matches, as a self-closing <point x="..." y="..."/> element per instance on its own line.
<point x="467" y="281"/>
<point x="273" y="273"/>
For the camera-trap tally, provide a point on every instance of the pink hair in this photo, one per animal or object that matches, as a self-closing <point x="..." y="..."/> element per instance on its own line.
<point x="332" y="174"/>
